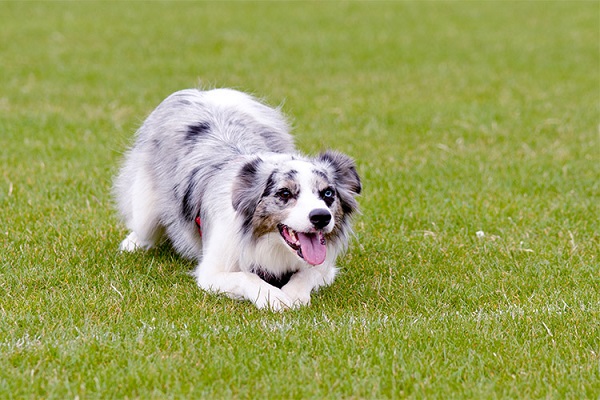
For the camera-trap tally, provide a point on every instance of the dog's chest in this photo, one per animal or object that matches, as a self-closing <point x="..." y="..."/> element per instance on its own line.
<point x="278" y="281"/>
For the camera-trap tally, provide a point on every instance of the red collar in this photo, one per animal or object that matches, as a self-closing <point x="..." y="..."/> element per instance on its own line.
<point x="199" y="224"/>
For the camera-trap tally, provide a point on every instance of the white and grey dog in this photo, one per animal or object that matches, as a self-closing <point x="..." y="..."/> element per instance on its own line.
<point x="216" y="172"/>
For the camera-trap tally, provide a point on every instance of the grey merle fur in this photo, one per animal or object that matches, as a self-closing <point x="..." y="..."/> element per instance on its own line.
<point x="220" y="153"/>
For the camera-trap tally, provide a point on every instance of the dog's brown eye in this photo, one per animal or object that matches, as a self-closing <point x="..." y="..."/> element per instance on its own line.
<point x="284" y="194"/>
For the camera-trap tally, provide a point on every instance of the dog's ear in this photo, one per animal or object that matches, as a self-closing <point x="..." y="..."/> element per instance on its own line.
<point x="246" y="189"/>
<point x="345" y="176"/>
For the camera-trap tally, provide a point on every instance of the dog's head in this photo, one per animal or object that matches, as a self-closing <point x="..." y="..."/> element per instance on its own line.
<point x="307" y="201"/>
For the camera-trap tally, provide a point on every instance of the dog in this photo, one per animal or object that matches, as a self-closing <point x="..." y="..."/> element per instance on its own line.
<point x="217" y="174"/>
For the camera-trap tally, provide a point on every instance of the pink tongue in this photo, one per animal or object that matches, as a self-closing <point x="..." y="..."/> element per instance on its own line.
<point x="313" y="247"/>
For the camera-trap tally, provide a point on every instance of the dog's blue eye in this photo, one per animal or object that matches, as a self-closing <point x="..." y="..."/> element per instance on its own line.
<point x="328" y="196"/>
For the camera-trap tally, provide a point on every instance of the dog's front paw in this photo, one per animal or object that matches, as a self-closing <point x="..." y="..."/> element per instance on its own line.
<point x="299" y="297"/>
<point x="274" y="300"/>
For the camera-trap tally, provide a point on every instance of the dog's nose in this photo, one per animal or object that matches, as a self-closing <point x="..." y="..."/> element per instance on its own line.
<point x="319" y="217"/>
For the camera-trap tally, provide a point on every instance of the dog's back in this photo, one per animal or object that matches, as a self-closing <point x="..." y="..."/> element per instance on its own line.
<point x="225" y="119"/>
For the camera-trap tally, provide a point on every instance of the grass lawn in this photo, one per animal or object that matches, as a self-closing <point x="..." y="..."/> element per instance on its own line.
<point x="463" y="117"/>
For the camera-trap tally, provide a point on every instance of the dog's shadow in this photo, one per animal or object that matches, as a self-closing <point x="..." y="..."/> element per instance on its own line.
<point x="160" y="262"/>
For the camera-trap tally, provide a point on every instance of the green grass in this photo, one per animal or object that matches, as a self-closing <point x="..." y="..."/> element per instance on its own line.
<point x="462" y="116"/>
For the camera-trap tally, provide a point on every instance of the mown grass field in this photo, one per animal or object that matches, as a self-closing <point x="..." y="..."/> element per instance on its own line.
<point x="463" y="117"/>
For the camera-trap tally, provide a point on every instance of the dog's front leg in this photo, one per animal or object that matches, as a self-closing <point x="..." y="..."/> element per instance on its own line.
<point x="219" y="272"/>
<point x="303" y="282"/>
<point x="244" y="286"/>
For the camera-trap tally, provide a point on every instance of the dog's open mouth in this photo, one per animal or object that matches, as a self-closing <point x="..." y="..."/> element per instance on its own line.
<point x="310" y="246"/>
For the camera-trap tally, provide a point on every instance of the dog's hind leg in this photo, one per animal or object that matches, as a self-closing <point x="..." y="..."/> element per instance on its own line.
<point x="143" y="221"/>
